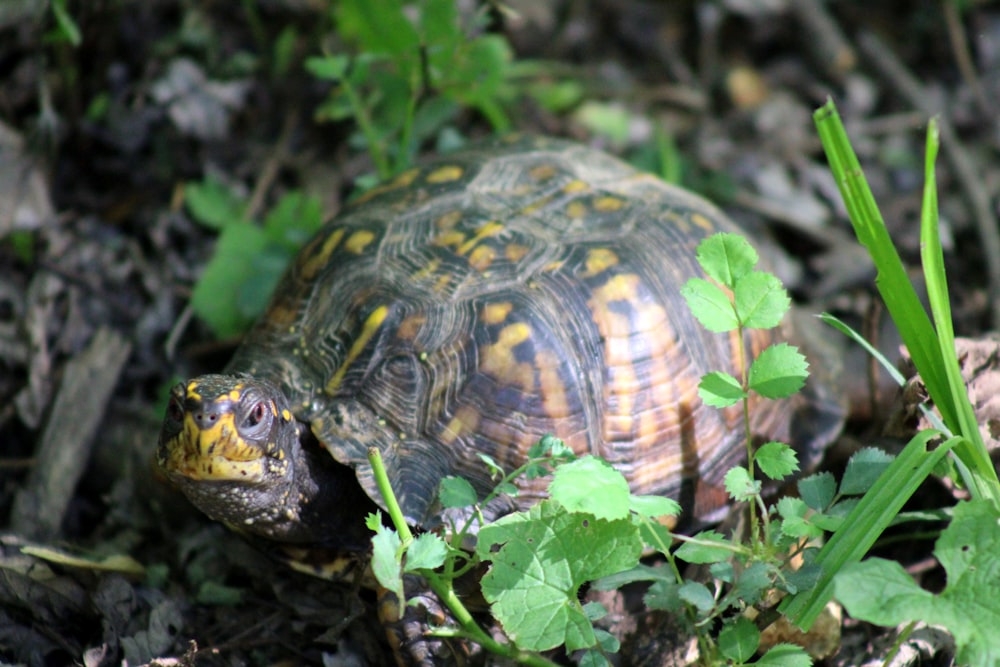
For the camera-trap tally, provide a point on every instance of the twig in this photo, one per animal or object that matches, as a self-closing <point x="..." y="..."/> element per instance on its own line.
<point x="960" y="47"/>
<point x="824" y="37"/>
<point x="969" y="175"/>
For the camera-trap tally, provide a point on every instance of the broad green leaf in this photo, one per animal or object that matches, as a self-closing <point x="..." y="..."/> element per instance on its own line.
<point x="776" y="460"/>
<point x="426" y="552"/>
<point x="663" y="595"/>
<point x="710" y="305"/>
<point x="761" y="300"/>
<point x="720" y="390"/>
<point x="457" y="492"/>
<point x="540" y="558"/>
<point x="385" y="556"/>
<point x="213" y="203"/>
<point x="726" y="258"/>
<point x="739" y="485"/>
<point x="697" y="595"/>
<point x="215" y="297"/>
<point x="651" y="507"/>
<point x="710" y="547"/>
<point x="738" y="641"/>
<point x="591" y="485"/>
<point x="881" y="592"/>
<point x="778" y="371"/>
<point x="863" y="468"/>
<point x="784" y="655"/>
<point x="794" y="511"/>
<point x="818" y="490"/>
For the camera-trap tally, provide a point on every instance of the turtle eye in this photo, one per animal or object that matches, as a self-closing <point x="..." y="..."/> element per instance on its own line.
<point x="256" y="418"/>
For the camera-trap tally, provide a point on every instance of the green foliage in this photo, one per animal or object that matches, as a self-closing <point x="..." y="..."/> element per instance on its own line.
<point x="414" y="67"/>
<point x="248" y="259"/>
<point x="881" y="592"/>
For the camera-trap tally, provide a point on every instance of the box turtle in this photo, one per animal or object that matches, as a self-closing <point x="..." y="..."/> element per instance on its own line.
<point x="474" y="304"/>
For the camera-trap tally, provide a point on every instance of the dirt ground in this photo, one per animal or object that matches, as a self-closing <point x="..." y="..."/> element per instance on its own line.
<point x="98" y="257"/>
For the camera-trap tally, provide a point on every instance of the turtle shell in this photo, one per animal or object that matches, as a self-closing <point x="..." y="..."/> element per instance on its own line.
<point x="490" y="297"/>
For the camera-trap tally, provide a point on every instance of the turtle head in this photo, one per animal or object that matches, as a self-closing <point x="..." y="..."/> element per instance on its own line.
<point x="232" y="446"/>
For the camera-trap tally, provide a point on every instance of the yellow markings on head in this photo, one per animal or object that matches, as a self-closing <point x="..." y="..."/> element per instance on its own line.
<point x="445" y="174"/>
<point x="609" y="204"/>
<point x="359" y="240"/>
<point x="466" y="420"/>
<point x="575" y="186"/>
<point x="482" y="257"/>
<point x="448" y="220"/>
<point x="703" y="222"/>
<point x="191" y="391"/>
<point x="499" y="361"/>
<point x="234" y="394"/>
<point x="542" y="172"/>
<point x="368" y="331"/>
<point x="318" y="259"/>
<point x="495" y="313"/>
<point x="599" y="260"/>
<point x="213" y="453"/>
<point x="491" y="228"/>
<point x="286" y="415"/>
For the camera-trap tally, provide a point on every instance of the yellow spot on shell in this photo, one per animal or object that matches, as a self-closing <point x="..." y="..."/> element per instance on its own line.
<point x="448" y="220"/>
<point x="450" y="238"/>
<point x="576" y="186"/>
<point x="481" y="258"/>
<point x="608" y="204"/>
<point x="495" y="313"/>
<point x="491" y="228"/>
<point x="576" y="209"/>
<point x="542" y="172"/>
<point x="599" y="260"/>
<point x="368" y="331"/>
<point x="427" y="271"/>
<point x="466" y="420"/>
<point x="499" y="361"/>
<point x="445" y="174"/>
<point x="318" y="259"/>
<point x="359" y="240"/>
<point x="401" y="181"/>
<point x="515" y="252"/>
<point x="410" y="327"/>
<point x="703" y="222"/>
<point x="286" y="415"/>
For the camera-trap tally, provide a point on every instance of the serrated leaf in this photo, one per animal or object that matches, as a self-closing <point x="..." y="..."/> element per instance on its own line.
<point x="663" y="595"/>
<point x="795" y="524"/>
<point x="753" y="581"/>
<point x="540" y="558"/>
<point x="386" y="565"/>
<point x="710" y="305"/>
<point x="726" y="257"/>
<point x="738" y="641"/>
<point x="863" y="468"/>
<point x="650" y="507"/>
<point x="778" y="371"/>
<point x="776" y="460"/>
<point x="710" y="548"/>
<point x="881" y="591"/>
<point x="818" y="490"/>
<point x="457" y="492"/>
<point x="785" y="655"/>
<point x="761" y="300"/>
<point x="426" y="552"/>
<point x="739" y="484"/>
<point x="592" y="486"/>
<point x="720" y="390"/>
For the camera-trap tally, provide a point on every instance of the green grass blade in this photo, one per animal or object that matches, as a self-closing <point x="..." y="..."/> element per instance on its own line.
<point x="866" y="522"/>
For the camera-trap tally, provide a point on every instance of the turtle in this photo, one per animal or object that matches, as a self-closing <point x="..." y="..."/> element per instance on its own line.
<point x="522" y="287"/>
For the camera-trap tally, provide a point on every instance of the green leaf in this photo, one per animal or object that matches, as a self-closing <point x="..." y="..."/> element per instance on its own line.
<point x="293" y="221"/>
<point x="426" y="552"/>
<point x="881" y="592"/>
<point x="753" y="581"/>
<point x="540" y="559"/>
<point x="778" y="371"/>
<point x="215" y="297"/>
<point x="330" y="67"/>
<point x="784" y="655"/>
<point x="650" y="507"/>
<point x="720" y="390"/>
<point x="457" y="492"/>
<point x="794" y="512"/>
<point x="710" y="547"/>
<point x="818" y="490"/>
<point x="761" y="300"/>
<point x="710" y="305"/>
<point x="776" y="460"/>
<point x="726" y="258"/>
<point x="739" y="485"/>
<point x="386" y="565"/>
<point x="591" y="485"/>
<point x="213" y="204"/>
<point x="863" y="468"/>
<point x="738" y="641"/>
<point x="663" y="595"/>
<point x="697" y="595"/>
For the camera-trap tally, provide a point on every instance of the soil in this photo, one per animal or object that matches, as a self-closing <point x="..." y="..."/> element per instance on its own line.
<point x="100" y="562"/>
